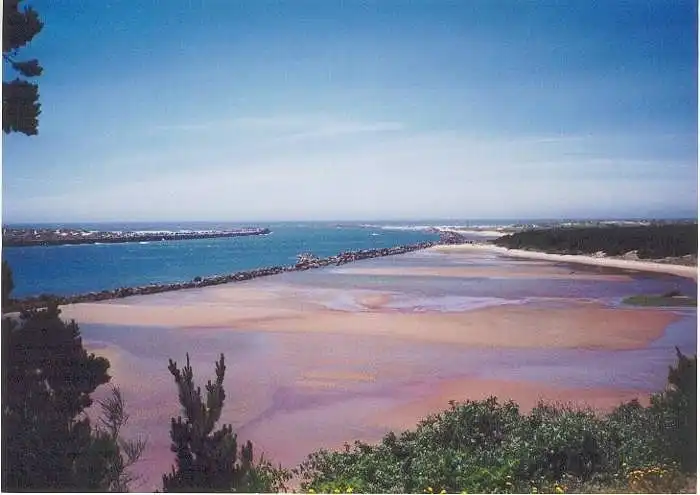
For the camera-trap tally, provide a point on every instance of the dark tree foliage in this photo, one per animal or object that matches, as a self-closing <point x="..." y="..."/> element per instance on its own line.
<point x="8" y="284"/>
<point x="207" y="460"/>
<point x="20" y="98"/>
<point x="111" y="454"/>
<point x="48" y="379"/>
<point x="678" y="407"/>
<point x="653" y="241"/>
<point x="48" y="443"/>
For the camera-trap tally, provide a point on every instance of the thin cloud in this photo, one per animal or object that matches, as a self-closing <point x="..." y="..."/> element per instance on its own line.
<point x="343" y="129"/>
<point x="287" y="129"/>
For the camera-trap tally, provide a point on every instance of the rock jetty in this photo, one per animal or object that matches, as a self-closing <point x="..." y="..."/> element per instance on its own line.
<point x="305" y="261"/>
<point x="451" y="237"/>
<point x="58" y="237"/>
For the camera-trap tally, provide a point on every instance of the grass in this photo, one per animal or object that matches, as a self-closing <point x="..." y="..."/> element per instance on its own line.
<point x="661" y="301"/>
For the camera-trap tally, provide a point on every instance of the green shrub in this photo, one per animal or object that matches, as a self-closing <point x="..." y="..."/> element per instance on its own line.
<point x="487" y="447"/>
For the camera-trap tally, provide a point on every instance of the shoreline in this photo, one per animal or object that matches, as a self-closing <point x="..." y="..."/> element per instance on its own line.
<point x="306" y="262"/>
<point x="635" y="265"/>
<point x="20" y="237"/>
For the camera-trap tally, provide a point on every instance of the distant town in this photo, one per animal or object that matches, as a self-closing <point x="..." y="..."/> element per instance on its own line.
<point x="55" y="237"/>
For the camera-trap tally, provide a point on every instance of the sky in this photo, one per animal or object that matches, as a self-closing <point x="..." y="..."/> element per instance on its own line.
<point x="260" y="110"/>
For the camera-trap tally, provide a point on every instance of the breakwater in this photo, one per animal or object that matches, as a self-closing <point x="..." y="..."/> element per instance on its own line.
<point x="60" y="237"/>
<point x="306" y="262"/>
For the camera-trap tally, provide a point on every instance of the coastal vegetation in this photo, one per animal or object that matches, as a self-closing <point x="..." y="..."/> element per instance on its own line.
<point x="490" y="447"/>
<point x="669" y="299"/>
<point x="48" y="441"/>
<point x="20" y="98"/>
<point x="649" y="241"/>
<point x="208" y="460"/>
<point x="8" y="284"/>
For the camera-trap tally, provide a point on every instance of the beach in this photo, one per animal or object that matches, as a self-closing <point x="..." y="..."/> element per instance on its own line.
<point x="646" y="266"/>
<point x="327" y="356"/>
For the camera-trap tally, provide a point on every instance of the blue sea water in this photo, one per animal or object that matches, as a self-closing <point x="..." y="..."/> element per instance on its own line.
<point x="74" y="269"/>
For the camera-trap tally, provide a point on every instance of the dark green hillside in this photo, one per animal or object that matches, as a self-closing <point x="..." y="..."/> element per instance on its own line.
<point x="650" y="242"/>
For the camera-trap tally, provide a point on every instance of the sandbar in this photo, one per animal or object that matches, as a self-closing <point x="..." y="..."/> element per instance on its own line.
<point x="528" y="271"/>
<point x="583" y="324"/>
<point x="644" y="266"/>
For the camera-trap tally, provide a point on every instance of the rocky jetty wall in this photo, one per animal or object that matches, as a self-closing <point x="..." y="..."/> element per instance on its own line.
<point x="45" y="237"/>
<point x="451" y="237"/>
<point x="304" y="263"/>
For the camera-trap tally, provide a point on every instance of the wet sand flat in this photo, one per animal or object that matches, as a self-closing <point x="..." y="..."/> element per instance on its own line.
<point x="295" y="393"/>
<point x="524" y="271"/>
<point x="583" y="325"/>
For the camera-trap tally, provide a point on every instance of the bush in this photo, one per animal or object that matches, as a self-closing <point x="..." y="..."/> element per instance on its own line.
<point x="486" y="447"/>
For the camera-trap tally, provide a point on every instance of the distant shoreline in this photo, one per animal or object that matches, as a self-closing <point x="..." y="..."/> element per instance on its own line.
<point x="64" y="237"/>
<point x="642" y="266"/>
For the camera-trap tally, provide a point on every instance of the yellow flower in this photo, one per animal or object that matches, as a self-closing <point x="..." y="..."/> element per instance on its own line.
<point x="558" y="489"/>
<point x="443" y="491"/>
<point x="349" y="490"/>
<point x="311" y="490"/>
<point x="336" y="490"/>
<point x="430" y="489"/>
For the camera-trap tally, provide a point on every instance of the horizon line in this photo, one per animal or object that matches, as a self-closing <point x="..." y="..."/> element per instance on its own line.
<point x="366" y="220"/>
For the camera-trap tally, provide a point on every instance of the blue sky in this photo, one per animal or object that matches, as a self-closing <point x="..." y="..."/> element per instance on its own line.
<point x="336" y="110"/>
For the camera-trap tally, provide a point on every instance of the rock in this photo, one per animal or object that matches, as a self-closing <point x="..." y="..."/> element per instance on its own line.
<point x="305" y="261"/>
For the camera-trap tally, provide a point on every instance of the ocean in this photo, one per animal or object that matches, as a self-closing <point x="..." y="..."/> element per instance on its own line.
<point x="75" y="269"/>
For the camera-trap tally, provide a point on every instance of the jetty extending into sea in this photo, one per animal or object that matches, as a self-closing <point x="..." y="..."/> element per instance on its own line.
<point x="304" y="262"/>
<point x="57" y="237"/>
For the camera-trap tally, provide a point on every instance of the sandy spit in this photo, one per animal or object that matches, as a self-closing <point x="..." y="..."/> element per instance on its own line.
<point x="643" y="266"/>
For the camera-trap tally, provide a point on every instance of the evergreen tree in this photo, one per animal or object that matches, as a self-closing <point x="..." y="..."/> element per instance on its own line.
<point x="20" y="98"/>
<point x="8" y="284"/>
<point x="676" y="412"/>
<point x="206" y="460"/>
<point x="111" y="455"/>
<point x="48" y="443"/>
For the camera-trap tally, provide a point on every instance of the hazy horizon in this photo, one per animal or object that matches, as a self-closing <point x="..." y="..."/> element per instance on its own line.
<point x="332" y="111"/>
<point x="368" y="221"/>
